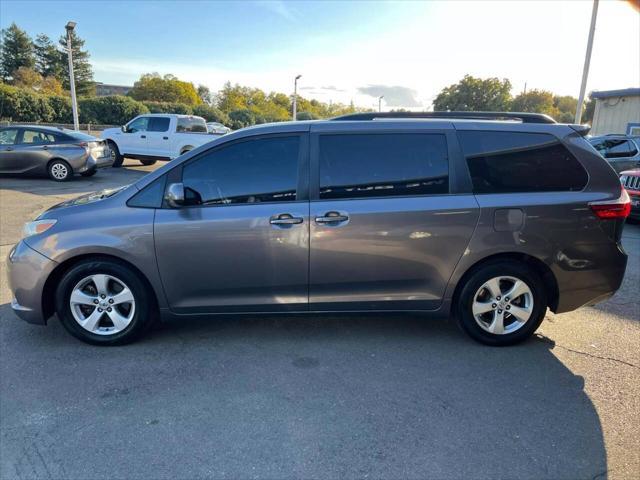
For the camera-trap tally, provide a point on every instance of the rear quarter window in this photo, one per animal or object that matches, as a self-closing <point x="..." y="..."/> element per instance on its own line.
<point x="191" y="125"/>
<point x="511" y="162"/>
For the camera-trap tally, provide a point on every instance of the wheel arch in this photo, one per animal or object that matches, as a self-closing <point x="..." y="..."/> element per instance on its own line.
<point x="49" y="289"/>
<point x="541" y="268"/>
<point x="186" y="148"/>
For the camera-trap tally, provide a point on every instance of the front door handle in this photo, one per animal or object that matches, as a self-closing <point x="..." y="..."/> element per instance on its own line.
<point x="285" y="219"/>
<point x="143" y="136"/>
<point x="332" y="217"/>
<point x="165" y="138"/>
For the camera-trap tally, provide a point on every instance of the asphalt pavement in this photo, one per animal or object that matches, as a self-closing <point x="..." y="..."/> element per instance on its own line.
<point x="316" y="397"/>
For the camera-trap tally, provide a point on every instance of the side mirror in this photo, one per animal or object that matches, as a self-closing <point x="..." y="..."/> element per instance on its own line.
<point x="123" y="128"/>
<point x="174" y="195"/>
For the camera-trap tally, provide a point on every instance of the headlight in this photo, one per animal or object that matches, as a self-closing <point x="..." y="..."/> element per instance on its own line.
<point x="37" y="226"/>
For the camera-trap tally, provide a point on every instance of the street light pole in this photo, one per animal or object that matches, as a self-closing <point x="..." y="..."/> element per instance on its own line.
<point x="587" y="61"/>
<point x="380" y="103"/>
<point x="72" y="82"/>
<point x="295" y="98"/>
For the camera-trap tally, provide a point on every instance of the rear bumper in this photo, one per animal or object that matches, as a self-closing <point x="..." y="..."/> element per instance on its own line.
<point x="587" y="282"/>
<point x="92" y="163"/>
<point x="27" y="271"/>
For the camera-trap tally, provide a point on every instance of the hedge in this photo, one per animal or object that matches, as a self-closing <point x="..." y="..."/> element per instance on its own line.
<point x="111" y="110"/>
<point x="22" y="105"/>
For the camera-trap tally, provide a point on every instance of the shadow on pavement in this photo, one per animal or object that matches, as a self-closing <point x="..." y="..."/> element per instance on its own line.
<point x="327" y="397"/>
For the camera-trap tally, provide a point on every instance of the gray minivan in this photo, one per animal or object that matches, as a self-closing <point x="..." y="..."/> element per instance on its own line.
<point x="491" y="218"/>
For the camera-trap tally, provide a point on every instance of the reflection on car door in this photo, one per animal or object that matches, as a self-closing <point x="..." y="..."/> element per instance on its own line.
<point x="9" y="155"/>
<point x="385" y="234"/>
<point x="242" y="242"/>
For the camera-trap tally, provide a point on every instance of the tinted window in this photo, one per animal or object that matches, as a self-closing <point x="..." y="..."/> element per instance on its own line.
<point x="261" y="170"/>
<point x="502" y="162"/>
<point x="619" y="148"/>
<point x="360" y="166"/>
<point x="79" y="136"/>
<point x="158" y="124"/>
<point x="138" y="125"/>
<point x="191" y="125"/>
<point x="35" y="136"/>
<point x="8" y="136"/>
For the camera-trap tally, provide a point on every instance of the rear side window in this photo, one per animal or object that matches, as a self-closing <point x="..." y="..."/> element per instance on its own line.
<point x="37" y="137"/>
<point x="253" y="171"/>
<point x="383" y="165"/>
<point x="158" y="124"/>
<point x="8" y="136"/>
<point x="509" y="162"/>
<point x="191" y="125"/>
<point x="618" y="148"/>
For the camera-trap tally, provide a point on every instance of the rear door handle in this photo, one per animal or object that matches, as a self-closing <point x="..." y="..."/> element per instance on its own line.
<point x="332" y="217"/>
<point x="285" y="219"/>
<point x="165" y="138"/>
<point x="143" y="136"/>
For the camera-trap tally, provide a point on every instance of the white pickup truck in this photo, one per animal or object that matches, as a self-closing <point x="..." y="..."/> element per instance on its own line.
<point x="157" y="136"/>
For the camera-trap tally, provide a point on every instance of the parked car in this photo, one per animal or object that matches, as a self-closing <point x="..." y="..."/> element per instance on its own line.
<point x="621" y="151"/>
<point x="56" y="152"/>
<point x="218" y="128"/>
<point x="156" y="136"/>
<point x="630" y="180"/>
<point x="492" y="221"/>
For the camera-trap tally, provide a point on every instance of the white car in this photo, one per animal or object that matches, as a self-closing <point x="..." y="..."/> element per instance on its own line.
<point x="156" y="136"/>
<point x="217" y="128"/>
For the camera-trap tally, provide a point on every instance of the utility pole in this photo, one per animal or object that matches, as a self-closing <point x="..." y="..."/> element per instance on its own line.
<point x="72" y="82"/>
<point x="295" y="98"/>
<point x="380" y="103"/>
<point x="587" y="61"/>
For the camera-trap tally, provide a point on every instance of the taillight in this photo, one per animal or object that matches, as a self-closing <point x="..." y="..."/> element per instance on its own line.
<point x="613" y="209"/>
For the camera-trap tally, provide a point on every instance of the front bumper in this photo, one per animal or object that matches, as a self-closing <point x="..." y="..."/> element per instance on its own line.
<point x="28" y="271"/>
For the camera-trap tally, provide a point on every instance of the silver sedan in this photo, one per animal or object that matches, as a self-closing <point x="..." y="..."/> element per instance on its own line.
<point x="56" y="152"/>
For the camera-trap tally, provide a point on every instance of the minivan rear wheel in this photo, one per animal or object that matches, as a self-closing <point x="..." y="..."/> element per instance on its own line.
<point x="502" y="303"/>
<point x="103" y="302"/>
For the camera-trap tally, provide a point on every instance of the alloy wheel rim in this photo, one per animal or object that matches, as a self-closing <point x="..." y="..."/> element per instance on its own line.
<point x="59" y="171"/>
<point x="502" y="305"/>
<point x="102" y="304"/>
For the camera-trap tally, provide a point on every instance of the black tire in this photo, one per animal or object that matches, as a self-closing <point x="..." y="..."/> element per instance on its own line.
<point x="472" y="286"/>
<point x="89" y="173"/>
<point x="185" y="150"/>
<point x="147" y="162"/>
<point x="115" y="153"/>
<point x="143" y="307"/>
<point x="59" y="171"/>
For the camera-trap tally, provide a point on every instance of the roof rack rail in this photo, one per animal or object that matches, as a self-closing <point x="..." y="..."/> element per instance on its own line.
<point x="517" y="116"/>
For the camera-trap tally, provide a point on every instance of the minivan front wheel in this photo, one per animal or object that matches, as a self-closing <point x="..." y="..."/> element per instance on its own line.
<point x="103" y="302"/>
<point x="502" y="303"/>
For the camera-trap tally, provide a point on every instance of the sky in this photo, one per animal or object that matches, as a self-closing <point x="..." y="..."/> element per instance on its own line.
<point x="349" y="51"/>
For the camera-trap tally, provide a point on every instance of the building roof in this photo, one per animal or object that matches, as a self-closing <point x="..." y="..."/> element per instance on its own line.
<point x="624" y="92"/>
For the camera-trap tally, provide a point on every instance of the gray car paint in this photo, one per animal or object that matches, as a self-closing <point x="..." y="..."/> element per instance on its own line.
<point x="230" y="259"/>
<point x="33" y="159"/>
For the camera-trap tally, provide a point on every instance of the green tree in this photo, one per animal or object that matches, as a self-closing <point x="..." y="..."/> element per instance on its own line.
<point x="16" y="50"/>
<point x="211" y="114"/>
<point x="205" y="94"/>
<point x="589" y="110"/>
<point x="152" y="87"/>
<point x="82" y="69"/>
<point x="475" y="94"/>
<point x="537" y="101"/>
<point x="31" y="80"/>
<point x="49" y="60"/>
<point x="566" y="106"/>
<point x="242" y="118"/>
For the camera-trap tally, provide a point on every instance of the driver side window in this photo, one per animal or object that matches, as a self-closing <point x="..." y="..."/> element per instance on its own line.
<point x="138" y="125"/>
<point x="252" y="171"/>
